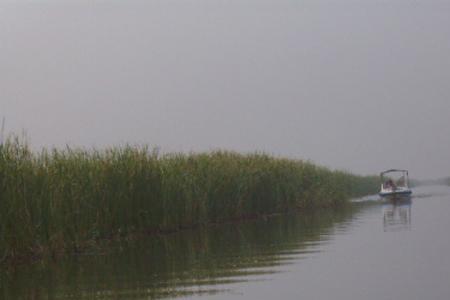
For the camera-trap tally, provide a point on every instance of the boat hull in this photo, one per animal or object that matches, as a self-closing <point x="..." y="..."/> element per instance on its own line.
<point x="397" y="197"/>
<point x="395" y="193"/>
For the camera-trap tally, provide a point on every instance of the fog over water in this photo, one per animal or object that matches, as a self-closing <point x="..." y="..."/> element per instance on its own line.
<point x="359" y="85"/>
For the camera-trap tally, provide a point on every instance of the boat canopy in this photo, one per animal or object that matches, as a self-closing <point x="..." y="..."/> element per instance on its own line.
<point x="402" y="181"/>
<point x="393" y="170"/>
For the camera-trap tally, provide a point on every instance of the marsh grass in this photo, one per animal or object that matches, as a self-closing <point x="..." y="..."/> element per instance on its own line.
<point x="59" y="200"/>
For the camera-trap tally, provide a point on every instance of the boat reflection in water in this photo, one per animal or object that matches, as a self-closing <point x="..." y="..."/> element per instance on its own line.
<point x="397" y="214"/>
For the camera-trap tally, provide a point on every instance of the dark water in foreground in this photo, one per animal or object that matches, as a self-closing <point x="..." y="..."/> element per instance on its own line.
<point x="368" y="252"/>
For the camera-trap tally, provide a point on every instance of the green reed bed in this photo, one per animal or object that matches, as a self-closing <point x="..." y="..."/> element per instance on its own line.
<point x="59" y="200"/>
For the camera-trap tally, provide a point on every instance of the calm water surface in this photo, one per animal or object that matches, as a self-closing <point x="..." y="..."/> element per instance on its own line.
<point x="372" y="251"/>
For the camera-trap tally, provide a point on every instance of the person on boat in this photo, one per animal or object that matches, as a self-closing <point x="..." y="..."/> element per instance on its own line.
<point x="401" y="181"/>
<point x="389" y="184"/>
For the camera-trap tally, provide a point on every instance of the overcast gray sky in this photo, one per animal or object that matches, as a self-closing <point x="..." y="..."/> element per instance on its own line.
<point x="359" y="85"/>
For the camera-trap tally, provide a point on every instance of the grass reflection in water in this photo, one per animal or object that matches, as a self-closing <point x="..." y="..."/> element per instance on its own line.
<point x="202" y="261"/>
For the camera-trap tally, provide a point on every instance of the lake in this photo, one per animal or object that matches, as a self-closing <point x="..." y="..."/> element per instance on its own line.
<point x="367" y="251"/>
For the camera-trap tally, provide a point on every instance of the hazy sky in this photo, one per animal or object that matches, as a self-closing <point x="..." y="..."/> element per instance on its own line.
<point x="359" y="85"/>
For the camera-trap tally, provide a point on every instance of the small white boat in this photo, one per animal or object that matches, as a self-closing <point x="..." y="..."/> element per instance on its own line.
<point x="392" y="187"/>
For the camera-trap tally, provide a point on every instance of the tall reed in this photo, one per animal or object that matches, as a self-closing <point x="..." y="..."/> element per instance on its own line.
<point x="59" y="199"/>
